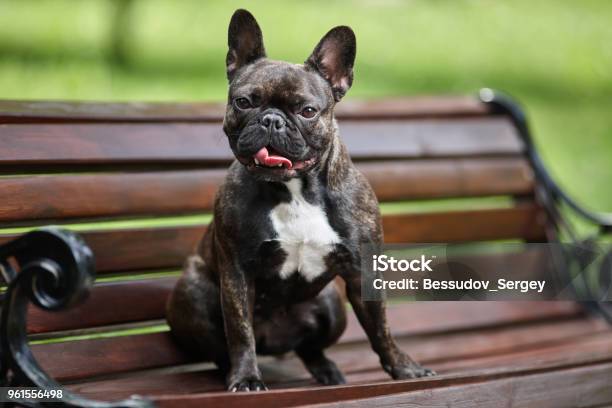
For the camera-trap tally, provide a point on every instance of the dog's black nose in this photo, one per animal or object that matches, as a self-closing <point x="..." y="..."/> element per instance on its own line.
<point x="273" y="120"/>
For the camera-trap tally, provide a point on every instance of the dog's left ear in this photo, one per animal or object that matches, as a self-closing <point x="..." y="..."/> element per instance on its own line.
<point x="334" y="57"/>
<point x="244" y="40"/>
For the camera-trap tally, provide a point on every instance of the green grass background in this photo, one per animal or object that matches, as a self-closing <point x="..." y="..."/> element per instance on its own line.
<point x="554" y="56"/>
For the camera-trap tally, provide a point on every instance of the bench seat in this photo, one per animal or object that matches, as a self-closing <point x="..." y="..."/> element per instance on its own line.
<point x="466" y="344"/>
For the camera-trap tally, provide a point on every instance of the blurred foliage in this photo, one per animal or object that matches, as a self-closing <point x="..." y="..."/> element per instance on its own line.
<point x="554" y="56"/>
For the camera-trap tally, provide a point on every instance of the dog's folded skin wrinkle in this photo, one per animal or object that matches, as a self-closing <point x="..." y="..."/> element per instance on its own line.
<point x="292" y="215"/>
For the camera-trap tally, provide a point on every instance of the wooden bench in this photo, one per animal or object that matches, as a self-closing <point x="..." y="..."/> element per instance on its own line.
<point x="137" y="182"/>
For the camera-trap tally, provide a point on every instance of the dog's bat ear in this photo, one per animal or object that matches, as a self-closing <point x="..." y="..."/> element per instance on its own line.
<point x="244" y="40"/>
<point x="334" y="57"/>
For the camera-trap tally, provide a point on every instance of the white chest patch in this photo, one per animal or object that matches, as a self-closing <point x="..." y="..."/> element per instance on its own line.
<point x="304" y="233"/>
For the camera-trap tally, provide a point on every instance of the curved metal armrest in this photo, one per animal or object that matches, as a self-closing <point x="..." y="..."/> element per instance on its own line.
<point x="502" y="103"/>
<point x="54" y="269"/>
<point x="551" y="195"/>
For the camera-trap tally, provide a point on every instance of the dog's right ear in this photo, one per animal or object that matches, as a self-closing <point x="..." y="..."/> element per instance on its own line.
<point x="245" y="42"/>
<point x="333" y="59"/>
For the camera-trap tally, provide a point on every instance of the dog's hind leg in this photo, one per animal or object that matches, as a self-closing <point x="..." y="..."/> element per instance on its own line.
<point x="322" y="369"/>
<point x="331" y="318"/>
<point x="195" y="317"/>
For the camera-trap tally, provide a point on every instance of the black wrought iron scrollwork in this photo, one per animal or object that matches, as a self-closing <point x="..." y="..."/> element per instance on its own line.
<point x="54" y="269"/>
<point x="502" y="103"/>
<point x="551" y="196"/>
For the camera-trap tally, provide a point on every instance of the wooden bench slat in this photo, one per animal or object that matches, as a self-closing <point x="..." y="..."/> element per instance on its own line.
<point x="448" y="178"/>
<point x="564" y="343"/>
<point x="555" y="388"/>
<point x="430" y="138"/>
<point x="205" y="144"/>
<point x="45" y="111"/>
<point x="525" y="221"/>
<point x="54" y="197"/>
<point x="129" y="352"/>
<point x="417" y="318"/>
<point x="405" y="392"/>
<point x="414" y="107"/>
<point x="141" y="249"/>
<point x="113" y="143"/>
<point x="485" y="347"/>
<point x="109" y="303"/>
<point x="108" y="195"/>
<point x="81" y="359"/>
<point x="200" y="381"/>
<point x="591" y="346"/>
<point x="65" y="111"/>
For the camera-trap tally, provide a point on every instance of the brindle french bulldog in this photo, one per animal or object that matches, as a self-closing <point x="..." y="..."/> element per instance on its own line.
<point x="290" y="217"/>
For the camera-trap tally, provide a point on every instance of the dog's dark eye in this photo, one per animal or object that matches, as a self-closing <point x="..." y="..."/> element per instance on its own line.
<point x="242" y="103"/>
<point x="308" y="112"/>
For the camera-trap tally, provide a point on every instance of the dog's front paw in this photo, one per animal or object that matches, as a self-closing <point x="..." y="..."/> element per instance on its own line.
<point x="247" y="384"/>
<point x="406" y="368"/>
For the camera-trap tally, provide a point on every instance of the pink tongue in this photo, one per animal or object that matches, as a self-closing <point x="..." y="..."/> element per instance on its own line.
<point x="272" y="161"/>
